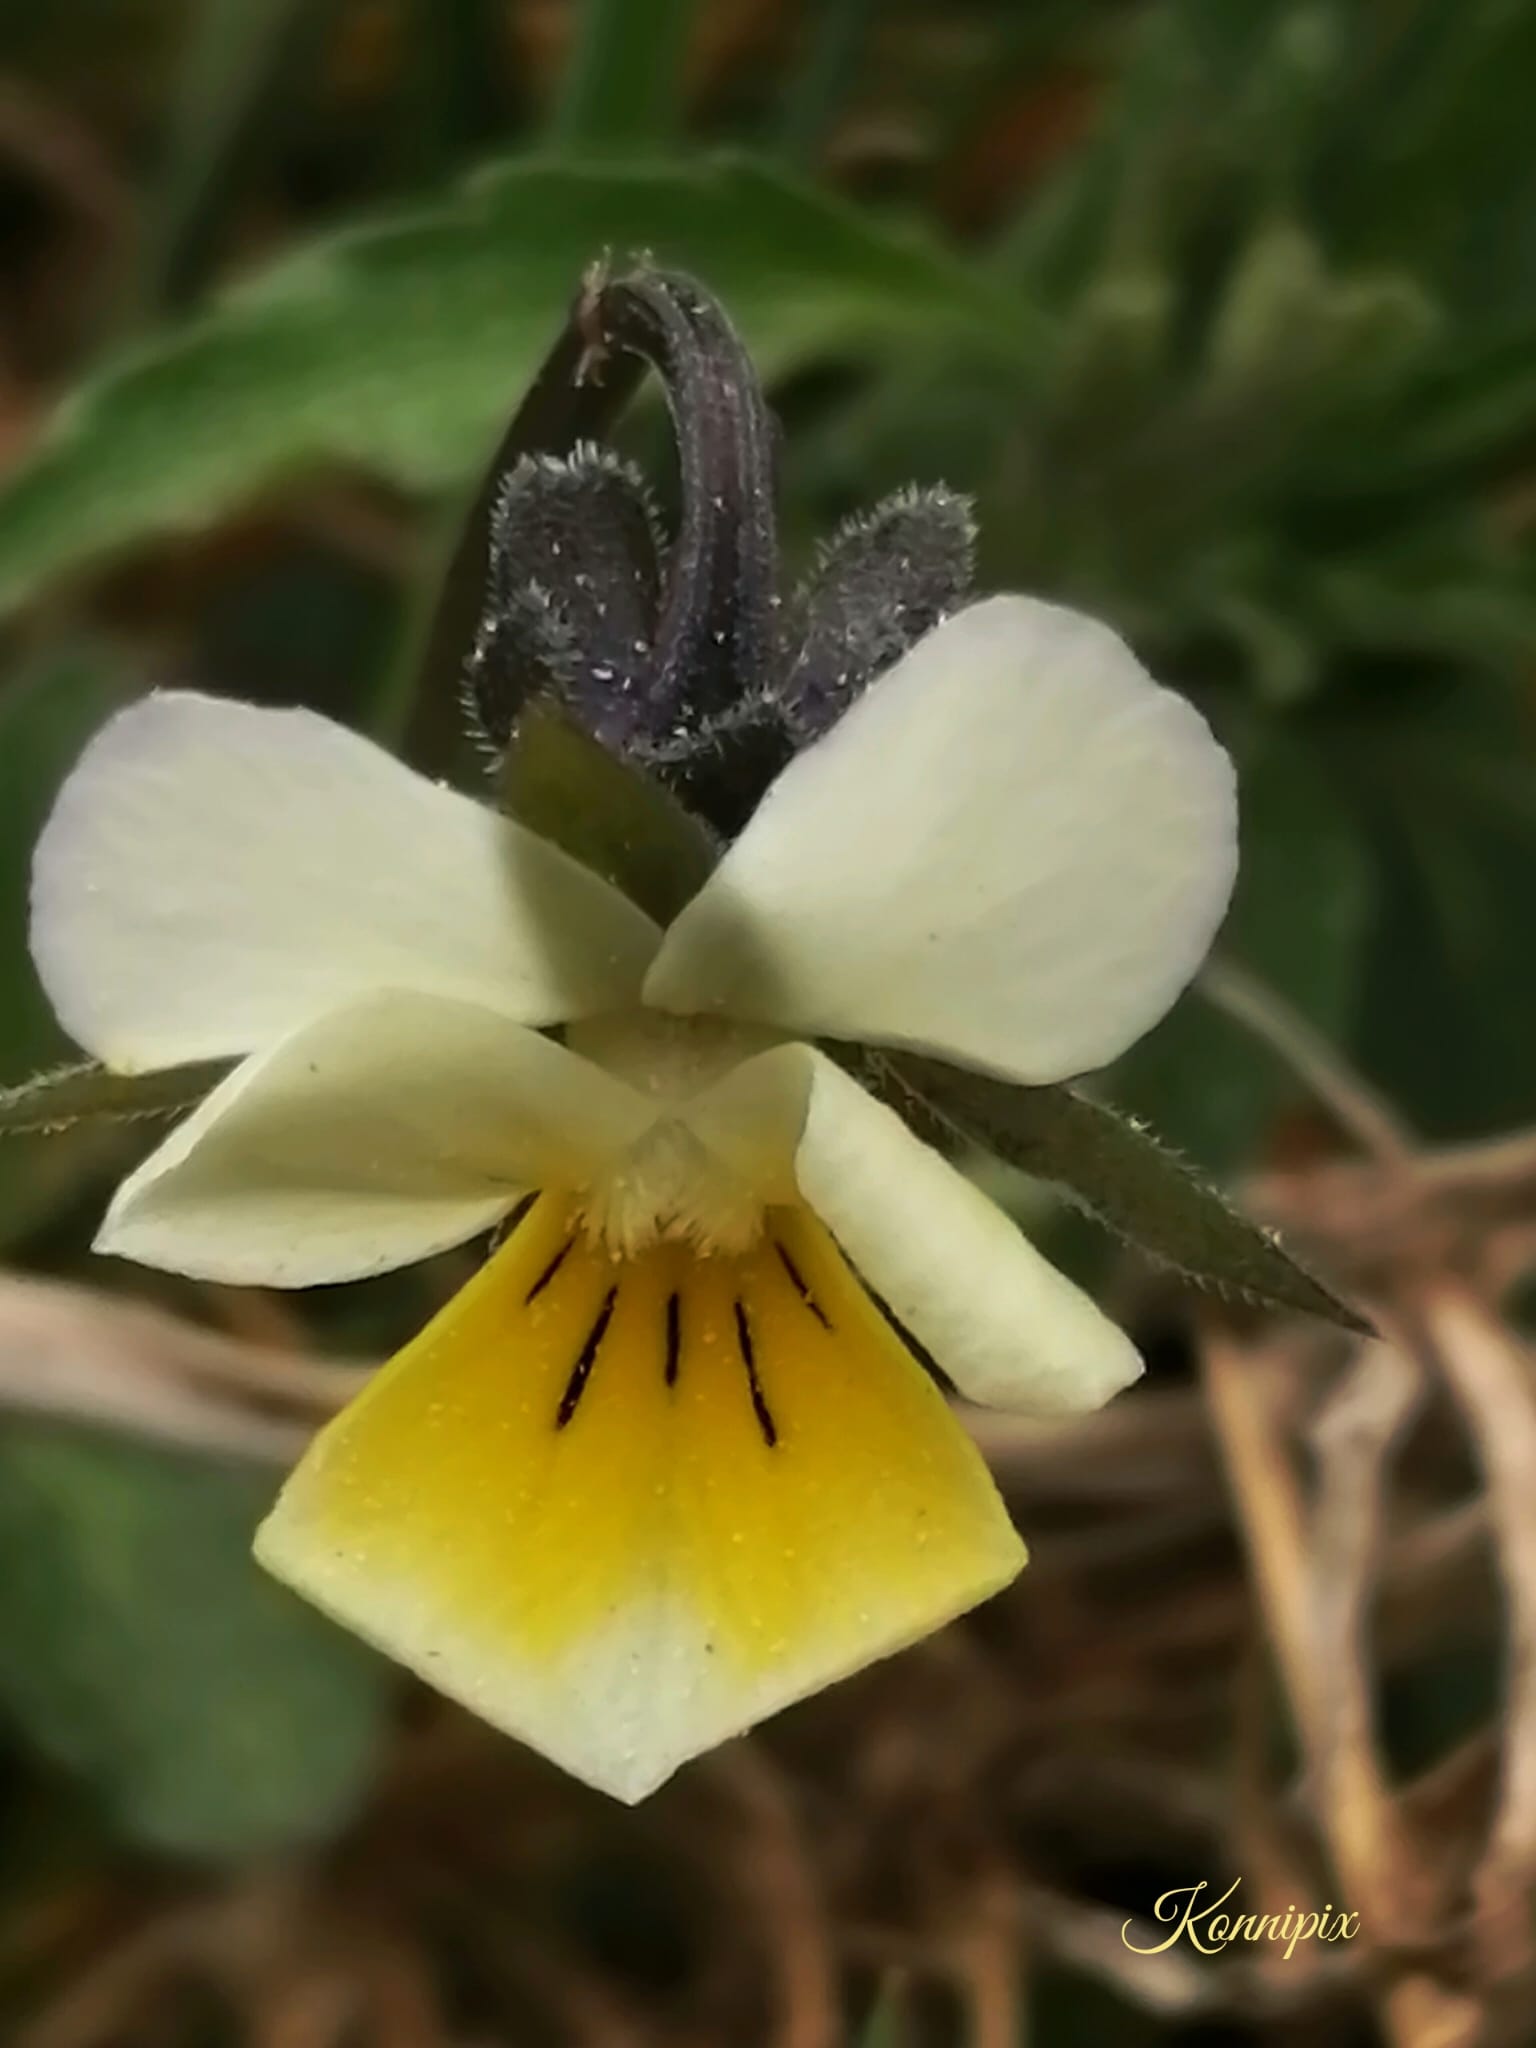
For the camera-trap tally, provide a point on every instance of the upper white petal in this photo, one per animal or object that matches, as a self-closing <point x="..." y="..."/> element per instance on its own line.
<point x="1014" y="849"/>
<point x="368" y="1139"/>
<point x="1008" y="1328"/>
<point x="215" y="874"/>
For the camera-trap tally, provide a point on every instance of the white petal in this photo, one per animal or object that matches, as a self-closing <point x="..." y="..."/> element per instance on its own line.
<point x="1008" y="1328"/>
<point x="215" y="874"/>
<point x="1014" y="850"/>
<point x="374" y="1137"/>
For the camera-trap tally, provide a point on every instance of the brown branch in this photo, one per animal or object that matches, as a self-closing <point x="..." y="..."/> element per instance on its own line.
<point x="988" y="1961"/>
<point x="1468" y="1206"/>
<point x="1355" y="1435"/>
<point x="78" y="1356"/>
<point x="1491" y="1374"/>
<point x="1152" y="1448"/>
<point x="62" y="154"/>
<point x="776" y="1870"/>
<point x="92" y="2009"/>
<point x="1384" y="1878"/>
<point x="1268" y="1500"/>
<point x="1354" y="1104"/>
<point x="1502" y="1167"/>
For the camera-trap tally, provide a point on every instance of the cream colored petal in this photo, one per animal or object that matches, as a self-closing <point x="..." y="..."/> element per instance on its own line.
<point x="1013" y="850"/>
<point x="371" y="1138"/>
<point x="1007" y="1327"/>
<point x="214" y="875"/>
<point x="624" y="1509"/>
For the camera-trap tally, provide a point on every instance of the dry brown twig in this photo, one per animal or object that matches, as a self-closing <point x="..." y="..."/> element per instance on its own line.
<point x="1360" y="1112"/>
<point x="1491" y="1372"/>
<point x="63" y="155"/>
<point x="778" y="1875"/>
<point x="1383" y="1865"/>
<point x="86" y="1357"/>
<point x="1433" y="1239"/>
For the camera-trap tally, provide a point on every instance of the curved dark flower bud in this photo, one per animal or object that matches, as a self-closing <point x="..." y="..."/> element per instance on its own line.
<point x="720" y="768"/>
<point x="573" y="592"/>
<point x="885" y="578"/>
<point x="681" y="655"/>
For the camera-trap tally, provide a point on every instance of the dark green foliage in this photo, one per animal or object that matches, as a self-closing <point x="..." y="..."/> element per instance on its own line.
<point x="141" y="1645"/>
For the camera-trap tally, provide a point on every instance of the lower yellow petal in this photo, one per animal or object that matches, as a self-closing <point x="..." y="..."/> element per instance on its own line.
<point x="625" y="1508"/>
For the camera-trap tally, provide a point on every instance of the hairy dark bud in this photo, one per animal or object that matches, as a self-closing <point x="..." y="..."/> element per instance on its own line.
<point x="680" y="652"/>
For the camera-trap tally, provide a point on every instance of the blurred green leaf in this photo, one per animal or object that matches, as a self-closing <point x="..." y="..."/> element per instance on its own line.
<point x="1125" y="1178"/>
<point x="1448" y="1017"/>
<point x="1269" y="416"/>
<point x="244" y="65"/>
<point x="1468" y="417"/>
<point x="48" y="710"/>
<point x="142" y="1647"/>
<point x="1298" y="922"/>
<point x="1077" y="2008"/>
<point x="565" y="786"/>
<point x="1431" y="1707"/>
<point x="829" y="71"/>
<point x="457" y="94"/>
<point x="402" y="345"/>
<point x="885" y="2027"/>
<point x="624" y="77"/>
<point x="1449" y="180"/>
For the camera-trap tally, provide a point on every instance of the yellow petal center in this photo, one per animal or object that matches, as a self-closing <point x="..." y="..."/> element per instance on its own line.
<point x="631" y="1504"/>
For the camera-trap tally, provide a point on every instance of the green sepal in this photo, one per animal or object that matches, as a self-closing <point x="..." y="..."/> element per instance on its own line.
<point x="1121" y="1174"/>
<point x="605" y="813"/>
<point x="90" y="1093"/>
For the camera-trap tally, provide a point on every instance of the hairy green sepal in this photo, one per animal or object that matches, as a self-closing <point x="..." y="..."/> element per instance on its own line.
<point x="90" y="1093"/>
<point x="1120" y="1173"/>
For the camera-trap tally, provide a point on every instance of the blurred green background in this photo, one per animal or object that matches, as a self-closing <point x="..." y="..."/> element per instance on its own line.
<point x="1223" y="310"/>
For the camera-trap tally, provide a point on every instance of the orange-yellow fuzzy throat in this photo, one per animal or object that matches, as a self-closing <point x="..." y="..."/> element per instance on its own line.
<point x="596" y="1477"/>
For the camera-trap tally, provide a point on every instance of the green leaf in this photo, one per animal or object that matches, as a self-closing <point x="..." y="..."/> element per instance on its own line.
<point x="142" y="1647"/>
<point x="833" y="47"/>
<point x="89" y="1093"/>
<point x="624" y="80"/>
<point x="564" y="786"/>
<point x="401" y="346"/>
<point x="1123" y="1176"/>
<point x="886" y="2025"/>
<point x="1448" y="1014"/>
<point x="59" y="1127"/>
<point x="48" y="710"/>
<point x="452" y="88"/>
<point x="1448" y="182"/>
<point x="1298" y="921"/>
<point x="244" y="68"/>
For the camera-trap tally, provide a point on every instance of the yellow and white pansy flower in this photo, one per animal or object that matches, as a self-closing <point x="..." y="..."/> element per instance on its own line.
<point x="665" y="1464"/>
